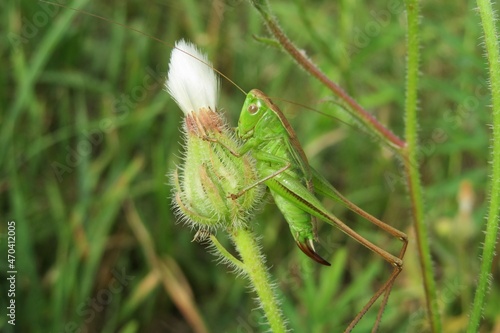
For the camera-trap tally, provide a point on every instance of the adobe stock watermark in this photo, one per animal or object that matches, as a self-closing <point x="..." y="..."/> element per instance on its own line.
<point x="373" y="28"/>
<point x="224" y="6"/>
<point x="418" y="319"/>
<point x="306" y="268"/>
<point x="453" y="118"/>
<point x="88" y="309"/>
<point x="31" y="26"/>
<point x="253" y="323"/>
<point x="91" y="139"/>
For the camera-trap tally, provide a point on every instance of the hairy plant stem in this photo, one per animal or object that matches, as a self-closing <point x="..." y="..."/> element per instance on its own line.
<point x="253" y="265"/>
<point x="411" y="164"/>
<point x="486" y="12"/>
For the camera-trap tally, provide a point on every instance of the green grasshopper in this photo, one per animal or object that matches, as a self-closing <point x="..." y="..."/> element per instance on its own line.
<point x="284" y="169"/>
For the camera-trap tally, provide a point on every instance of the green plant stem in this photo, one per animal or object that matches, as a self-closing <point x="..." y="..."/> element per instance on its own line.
<point x="411" y="164"/>
<point x="254" y="267"/>
<point x="492" y="51"/>
<point x="355" y="109"/>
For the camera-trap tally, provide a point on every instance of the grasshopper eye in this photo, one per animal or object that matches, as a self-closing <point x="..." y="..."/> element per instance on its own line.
<point x="252" y="109"/>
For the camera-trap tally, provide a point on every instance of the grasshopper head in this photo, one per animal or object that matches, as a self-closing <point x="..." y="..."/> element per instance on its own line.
<point x="253" y="110"/>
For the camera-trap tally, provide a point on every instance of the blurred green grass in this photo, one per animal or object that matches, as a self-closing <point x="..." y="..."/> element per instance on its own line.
<point x="88" y="135"/>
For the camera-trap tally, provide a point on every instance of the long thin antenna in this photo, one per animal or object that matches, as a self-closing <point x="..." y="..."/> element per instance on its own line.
<point x="102" y="18"/>
<point x="145" y="34"/>
<point x="323" y="113"/>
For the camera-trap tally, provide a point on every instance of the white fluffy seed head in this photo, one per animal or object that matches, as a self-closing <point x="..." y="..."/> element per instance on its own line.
<point x="191" y="81"/>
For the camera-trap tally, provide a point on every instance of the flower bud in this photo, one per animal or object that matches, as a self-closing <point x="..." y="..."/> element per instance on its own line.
<point x="211" y="173"/>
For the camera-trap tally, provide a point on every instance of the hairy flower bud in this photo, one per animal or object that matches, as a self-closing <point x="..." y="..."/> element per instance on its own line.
<point x="212" y="174"/>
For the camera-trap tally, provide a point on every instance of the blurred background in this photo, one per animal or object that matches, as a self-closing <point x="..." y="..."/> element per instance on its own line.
<point x="88" y="137"/>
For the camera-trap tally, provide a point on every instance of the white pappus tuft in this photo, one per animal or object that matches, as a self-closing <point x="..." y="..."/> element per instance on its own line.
<point x="191" y="81"/>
